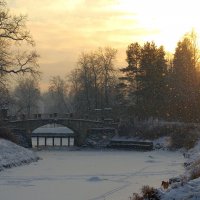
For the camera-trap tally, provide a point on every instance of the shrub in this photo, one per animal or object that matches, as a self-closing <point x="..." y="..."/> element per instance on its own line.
<point x="136" y="197"/>
<point x="148" y="193"/>
<point x="184" y="137"/>
<point x="5" y="133"/>
<point x="156" y="132"/>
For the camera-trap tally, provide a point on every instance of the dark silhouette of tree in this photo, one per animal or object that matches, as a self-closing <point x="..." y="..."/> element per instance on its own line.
<point x="145" y="78"/>
<point x="13" y="38"/>
<point x="185" y="85"/>
<point x="17" y="54"/>
<point x="152" y="83"/>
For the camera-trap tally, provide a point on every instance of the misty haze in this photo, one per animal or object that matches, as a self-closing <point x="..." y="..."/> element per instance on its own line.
<point x="99" y="100"/>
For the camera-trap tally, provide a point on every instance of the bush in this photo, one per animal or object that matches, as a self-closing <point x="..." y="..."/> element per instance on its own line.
<point x="156" y="132"/>
<point x="136" y="197"/>
<point x="5" y="133"/>
<point x="148" y="193"/>
<point x="184" y="137"/>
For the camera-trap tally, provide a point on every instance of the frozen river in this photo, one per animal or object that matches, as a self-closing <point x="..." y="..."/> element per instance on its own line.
<point x="88" y="175"/>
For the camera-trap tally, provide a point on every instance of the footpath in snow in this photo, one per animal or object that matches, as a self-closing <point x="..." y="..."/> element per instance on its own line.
<point x="12" y="155"/>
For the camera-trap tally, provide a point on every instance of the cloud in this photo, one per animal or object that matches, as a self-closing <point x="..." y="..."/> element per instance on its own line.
<point x="63" y="29"/>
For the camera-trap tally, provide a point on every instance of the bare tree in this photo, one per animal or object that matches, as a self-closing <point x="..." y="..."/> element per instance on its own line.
<point x="26" y="96"/>
<point x="57" y="98"/>
<point x="107" y="57"/>
<point x="85" y="76"/>
<point x="94" y="79"/>
<point x="13" y="36"/>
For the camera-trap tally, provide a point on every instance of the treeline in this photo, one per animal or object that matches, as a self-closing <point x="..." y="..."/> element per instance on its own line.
<point x="88" y="87"/>
<point x="152" y="85"/>
<point x="158" y="87"/>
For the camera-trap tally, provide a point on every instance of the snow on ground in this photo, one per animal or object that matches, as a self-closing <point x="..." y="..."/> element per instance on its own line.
<point x="189" y="189"/>
<point x="96" y="175"/>
<point x="13" y="155"/>
<point x="89" y="175"/>
<point x="53" y="130"/>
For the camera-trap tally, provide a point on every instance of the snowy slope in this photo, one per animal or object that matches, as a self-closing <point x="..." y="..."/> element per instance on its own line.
<point x="191" y="191"/>
<point x="191" y="188"/>
<point x="13" y="155"/>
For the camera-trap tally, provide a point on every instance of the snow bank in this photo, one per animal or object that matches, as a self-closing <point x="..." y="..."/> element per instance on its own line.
<point x="187" y="188"/>
<point x="12" y="155"/>
<point x="191" y="191"/>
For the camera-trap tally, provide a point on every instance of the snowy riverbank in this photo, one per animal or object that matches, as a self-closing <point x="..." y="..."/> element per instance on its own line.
<point x="130" y="175"/>
<point x="12" y="155"/>
<point x="189" y="187"/>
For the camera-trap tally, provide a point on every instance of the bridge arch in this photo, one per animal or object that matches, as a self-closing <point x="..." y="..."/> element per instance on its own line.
<point x="79" y="126"/>
<point x="52" y="135"/>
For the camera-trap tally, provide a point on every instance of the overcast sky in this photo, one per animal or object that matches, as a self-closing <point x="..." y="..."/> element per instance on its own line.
<point x="63" y="29"/>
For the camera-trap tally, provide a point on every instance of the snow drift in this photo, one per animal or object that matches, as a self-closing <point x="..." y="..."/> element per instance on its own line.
<point x="12" y="155"/>
<point x="190" y="186"/>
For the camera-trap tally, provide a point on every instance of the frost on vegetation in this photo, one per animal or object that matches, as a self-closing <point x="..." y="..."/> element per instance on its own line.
<point x="182" y="187"/>
<point x="12" y="155"/>
<point x="188" y="185"/>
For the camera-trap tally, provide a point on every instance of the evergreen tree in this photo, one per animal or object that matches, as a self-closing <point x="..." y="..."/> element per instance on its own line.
<point x="128" y="84"/>
<point x="152" y="81"/>
<point x="184" y="90"/>
<point x="146" y="71"/>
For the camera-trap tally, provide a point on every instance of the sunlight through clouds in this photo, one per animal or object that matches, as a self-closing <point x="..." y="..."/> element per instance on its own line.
<point x="63" y="29"/>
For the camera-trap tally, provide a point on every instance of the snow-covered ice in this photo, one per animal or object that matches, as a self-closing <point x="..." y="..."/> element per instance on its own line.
<point x="89" y="175"/>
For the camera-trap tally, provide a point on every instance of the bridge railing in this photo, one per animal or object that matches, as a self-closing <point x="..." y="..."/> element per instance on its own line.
<point x="41" y="116"/>
<point x="46" y="116"/>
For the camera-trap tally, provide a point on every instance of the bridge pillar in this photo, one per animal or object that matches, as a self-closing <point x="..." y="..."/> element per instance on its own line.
<point x="45" y="141"/>
<point x="38" y="141"/>
<point x="68" y="141"/>
<point x="61" y="141"/>
<point x="53" y="143"/>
